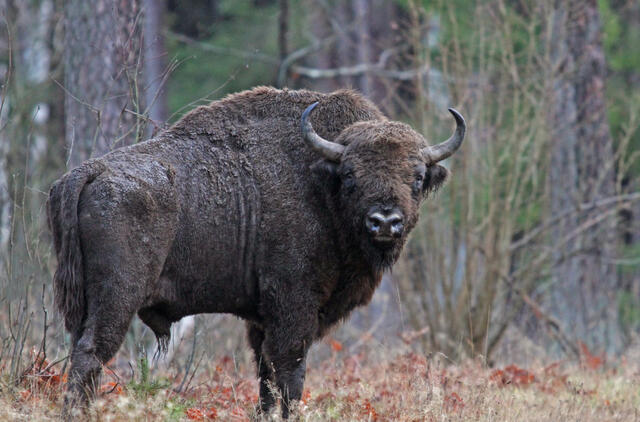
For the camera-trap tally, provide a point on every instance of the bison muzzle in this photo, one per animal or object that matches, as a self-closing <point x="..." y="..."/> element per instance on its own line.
<point x="238" y="209"/>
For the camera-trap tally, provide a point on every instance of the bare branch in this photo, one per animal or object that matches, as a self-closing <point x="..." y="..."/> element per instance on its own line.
<point x="361" y="69"/>
<point x="227" y="51"/>
<point x="300" y="53"/>
<point x="617" y="199"/>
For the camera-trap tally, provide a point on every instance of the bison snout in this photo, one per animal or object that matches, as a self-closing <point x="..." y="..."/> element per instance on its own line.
<point x="383" y="225"/>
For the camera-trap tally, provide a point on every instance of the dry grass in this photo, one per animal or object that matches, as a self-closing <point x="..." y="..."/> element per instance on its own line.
<point x="408" y="387"/>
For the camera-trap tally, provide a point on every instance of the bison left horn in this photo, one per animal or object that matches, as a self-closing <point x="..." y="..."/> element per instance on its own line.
<point x="329" y="150"/>
<point x="444" y="150"/>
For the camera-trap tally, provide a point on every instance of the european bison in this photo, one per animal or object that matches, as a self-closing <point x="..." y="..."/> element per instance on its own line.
<point x="239" y="208"/>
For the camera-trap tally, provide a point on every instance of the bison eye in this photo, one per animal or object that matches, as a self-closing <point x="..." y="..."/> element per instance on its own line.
<point x="417" y="183"/>
<point x="348" y="181"/>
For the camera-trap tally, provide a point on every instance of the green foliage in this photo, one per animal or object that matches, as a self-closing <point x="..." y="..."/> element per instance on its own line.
<point x="203" y="76"/>
<point x="620" y="39"/>
<point x="176" y="410"/>
<point x="629" y="259"/>
<point x="629" y="310"/>
<point x="628" y="301"/>
<point x="146" y="386"/>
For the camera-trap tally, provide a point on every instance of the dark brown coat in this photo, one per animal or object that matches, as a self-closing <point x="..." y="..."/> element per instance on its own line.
<point x="231" y="211"/>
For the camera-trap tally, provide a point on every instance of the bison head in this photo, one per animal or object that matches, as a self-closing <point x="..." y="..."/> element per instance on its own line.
<point x="379" y="172"/>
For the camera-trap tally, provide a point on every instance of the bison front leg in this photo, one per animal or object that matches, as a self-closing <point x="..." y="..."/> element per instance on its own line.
<point x="285" y="346"/>
<point x="265" y="372"/>
<point x="290" y="373"/>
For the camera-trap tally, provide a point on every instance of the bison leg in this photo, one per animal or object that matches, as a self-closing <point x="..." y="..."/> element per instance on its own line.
<point x="289" y="367"/>
<point x="286" y="347"/>
<point x="265" y="373"/>
<point x="103" y="332"/>
<point x="126" y="223"/>
<point x="85" y="369"/>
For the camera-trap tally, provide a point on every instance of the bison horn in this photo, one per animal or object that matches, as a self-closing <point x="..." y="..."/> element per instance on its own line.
<point x="329" y="150"/>
<point x="444" y="150"/>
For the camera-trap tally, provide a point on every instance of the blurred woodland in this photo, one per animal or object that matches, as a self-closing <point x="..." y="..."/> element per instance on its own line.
<point x="531" y="249"/>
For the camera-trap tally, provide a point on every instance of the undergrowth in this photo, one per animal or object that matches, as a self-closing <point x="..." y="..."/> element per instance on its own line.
<point x="353" y="387"/>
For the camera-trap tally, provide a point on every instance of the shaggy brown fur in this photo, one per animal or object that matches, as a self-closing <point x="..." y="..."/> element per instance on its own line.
<point x="231" y="211"/>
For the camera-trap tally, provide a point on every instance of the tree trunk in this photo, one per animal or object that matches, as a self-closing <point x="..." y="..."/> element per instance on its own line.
<point x="320" y="24"/>
<point x="102" y="69"/>
<point x="363" y="30"/>
<point x="30" y="129"/>
<point x="584" y="293"/>
<point x="363" y="41"/>
<point x="195" y="18"/>
<point x="155" y="64"/>
<point x="5" y="199"/>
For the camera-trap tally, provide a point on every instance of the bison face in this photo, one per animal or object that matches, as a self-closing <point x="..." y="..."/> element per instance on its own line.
<point x="381" y="182"/>
<point x="379" y="172"/>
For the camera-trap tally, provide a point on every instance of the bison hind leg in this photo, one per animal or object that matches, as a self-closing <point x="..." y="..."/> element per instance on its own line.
<point x="160" y="325"/>
<point x="102" y="334"/>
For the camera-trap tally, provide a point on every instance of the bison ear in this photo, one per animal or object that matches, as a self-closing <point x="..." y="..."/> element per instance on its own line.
<point x="327" y="174"/>
<point x="434" y="178"/>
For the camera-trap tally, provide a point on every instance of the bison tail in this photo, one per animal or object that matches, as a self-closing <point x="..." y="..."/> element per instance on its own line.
<point x="62" y="213"/>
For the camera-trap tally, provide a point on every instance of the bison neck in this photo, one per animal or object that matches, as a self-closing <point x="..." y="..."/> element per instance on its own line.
<point x="358" y="274"/>
<point x="354" y="288"/>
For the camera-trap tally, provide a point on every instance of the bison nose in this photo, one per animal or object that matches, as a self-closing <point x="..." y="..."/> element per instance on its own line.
<point x="381" y="224"/>
<point x="397" y="227"/>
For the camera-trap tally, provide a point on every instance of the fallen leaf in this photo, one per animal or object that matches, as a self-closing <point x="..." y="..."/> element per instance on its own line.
<point x="453" y="402"/>
<point x="590" y="360"/>
<point x="336" y="345"/>
<point x="194" y="414"/>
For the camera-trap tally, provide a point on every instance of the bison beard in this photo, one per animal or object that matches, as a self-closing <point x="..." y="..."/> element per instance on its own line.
<point x="381" y="257"/>
<point x="239" y="209"/>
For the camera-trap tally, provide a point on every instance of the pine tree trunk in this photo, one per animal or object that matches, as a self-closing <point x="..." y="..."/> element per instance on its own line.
<point x="363" y="41"/>
<point x="584" y="292"/>
<point x="102" y="69"/>
<point x="155" y="62"/>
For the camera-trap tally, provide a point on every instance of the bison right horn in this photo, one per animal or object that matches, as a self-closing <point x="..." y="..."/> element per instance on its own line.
<point x="445" y="149"/>
<point x="329" y="150"/>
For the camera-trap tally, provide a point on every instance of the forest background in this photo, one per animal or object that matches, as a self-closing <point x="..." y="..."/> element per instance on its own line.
<point x="530" y="253"/>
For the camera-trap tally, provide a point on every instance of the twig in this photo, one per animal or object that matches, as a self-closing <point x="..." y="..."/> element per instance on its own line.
<point x="54" y="363"/>
<point x="228" y="51"/>
<point x="189" y="362"/>
<point x="43" y="343"/>
<point x="625" y="198"/>
<point x="552" y="323"/>
<point x="369" y="333"/>
<point x="108" y="370"/>
<point x="84" y="103"/>
<point x="41" y="356"/>
<point x="193" y="374"/>
<point x="299" y="54"/>
<point x="205" y="97"/>
<point x="283" y="28"/>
